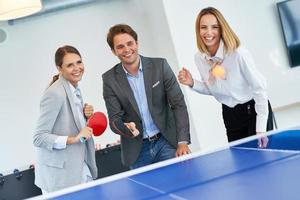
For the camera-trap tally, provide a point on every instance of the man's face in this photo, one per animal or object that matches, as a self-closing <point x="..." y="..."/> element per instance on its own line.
<point x="126" y="49"/>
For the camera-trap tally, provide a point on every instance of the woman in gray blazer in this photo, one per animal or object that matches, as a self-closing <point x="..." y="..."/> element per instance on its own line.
<point x="62" y="160"/>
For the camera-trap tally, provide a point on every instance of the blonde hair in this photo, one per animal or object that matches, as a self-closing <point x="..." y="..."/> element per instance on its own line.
<point x="230" y="39"/>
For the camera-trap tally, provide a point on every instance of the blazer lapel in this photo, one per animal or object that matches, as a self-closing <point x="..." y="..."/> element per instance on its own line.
<point x="71" y="101"/>
<point x="147" y="68"/>
<point x="125" y="88"/>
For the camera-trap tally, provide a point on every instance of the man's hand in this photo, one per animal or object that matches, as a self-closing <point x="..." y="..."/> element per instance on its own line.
<point x="182" y="149"/>
<point x="131" y="126"/>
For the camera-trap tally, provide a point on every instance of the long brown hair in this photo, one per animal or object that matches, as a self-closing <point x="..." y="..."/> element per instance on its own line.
<point x="231" y="41"/>
<point x="59" y="56"/>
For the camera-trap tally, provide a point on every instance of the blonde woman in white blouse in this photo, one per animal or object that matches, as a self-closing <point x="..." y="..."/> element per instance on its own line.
<point x="229" y="74"/>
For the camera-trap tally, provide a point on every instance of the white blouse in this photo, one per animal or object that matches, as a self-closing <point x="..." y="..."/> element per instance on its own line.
<point x="242" y="82"/>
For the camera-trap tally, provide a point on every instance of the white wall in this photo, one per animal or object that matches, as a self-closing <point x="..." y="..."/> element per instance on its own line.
<point x="257" y="24"/>
<point x="154" y="17"/>
<point x="288" y="116"/>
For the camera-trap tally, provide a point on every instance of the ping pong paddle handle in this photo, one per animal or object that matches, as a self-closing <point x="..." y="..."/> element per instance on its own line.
<point x="82" y="139"/>
<point x="85" y="134"/>
<point x="131" y="126"/>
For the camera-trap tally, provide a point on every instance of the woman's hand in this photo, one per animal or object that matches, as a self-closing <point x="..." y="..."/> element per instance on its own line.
<point x="88" y="110"/>
<point x="85" y="133"/>
<point x="263" y="141"/>
<point x="185" y="77"/>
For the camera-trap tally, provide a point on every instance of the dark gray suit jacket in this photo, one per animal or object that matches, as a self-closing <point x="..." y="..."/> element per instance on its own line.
<point x="165" y="101"/>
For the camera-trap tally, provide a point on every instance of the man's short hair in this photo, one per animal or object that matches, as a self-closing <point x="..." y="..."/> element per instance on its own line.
<point x="119" y="29"/>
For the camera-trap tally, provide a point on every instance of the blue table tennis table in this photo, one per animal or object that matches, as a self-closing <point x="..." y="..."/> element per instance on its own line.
<point x="239" y="171"/>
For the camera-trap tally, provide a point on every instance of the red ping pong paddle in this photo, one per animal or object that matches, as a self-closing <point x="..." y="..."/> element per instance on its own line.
<point x="98" y="122"/>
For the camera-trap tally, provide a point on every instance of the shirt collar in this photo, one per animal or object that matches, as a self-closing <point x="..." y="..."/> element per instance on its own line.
<point x="72" y="88"/>
<point x="140" y="68"/>
<point x="219" y="54"/>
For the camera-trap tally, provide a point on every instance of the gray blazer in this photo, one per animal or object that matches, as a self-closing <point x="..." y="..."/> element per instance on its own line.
<point x="165" y="100"/>
<point x="56" y="169"/>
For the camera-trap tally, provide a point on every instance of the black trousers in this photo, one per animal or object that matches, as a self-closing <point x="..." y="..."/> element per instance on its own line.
<point x="240" y="121"/>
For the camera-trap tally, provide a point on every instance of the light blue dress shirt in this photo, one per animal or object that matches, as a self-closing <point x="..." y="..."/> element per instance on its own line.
<point x="137" y="85"/>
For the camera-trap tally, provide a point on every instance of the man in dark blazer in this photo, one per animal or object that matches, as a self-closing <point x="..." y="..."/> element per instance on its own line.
<point x="144" y="102"/>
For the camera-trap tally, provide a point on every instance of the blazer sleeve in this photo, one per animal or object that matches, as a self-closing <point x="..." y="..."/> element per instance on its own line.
<point x="50" y="106"/>
<point x="177" y="103"/>
<point x="114" y="109"/>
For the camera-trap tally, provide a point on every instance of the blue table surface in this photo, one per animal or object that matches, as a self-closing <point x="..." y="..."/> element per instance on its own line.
<point x="228" y="174"/>
<point x="279" y="180"/>
<point x="285" y="140"/>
